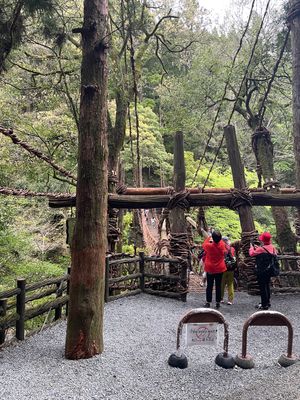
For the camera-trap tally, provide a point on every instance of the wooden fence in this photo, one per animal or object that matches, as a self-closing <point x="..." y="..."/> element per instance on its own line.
<point x="16" y="305"/>
<point x="125" y="276"/>
<point x="132" y="275"/>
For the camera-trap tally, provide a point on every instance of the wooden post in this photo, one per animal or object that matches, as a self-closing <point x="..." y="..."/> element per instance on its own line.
<point x="20" y="308"/>
<point x="59" y="293"/>
<point x="106" y="290"/>
<point x="121" y="211"/>
<point x="3" y="306"/>
<point x="142" y="271"/>
<point x="237" y="169"/>
<point x="176" y="216"/>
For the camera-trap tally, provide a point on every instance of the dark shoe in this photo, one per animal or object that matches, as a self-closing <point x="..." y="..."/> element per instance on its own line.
<point x="262" y="308"/>
<point x="218" y="305"/>
<point x="207" y="305"/>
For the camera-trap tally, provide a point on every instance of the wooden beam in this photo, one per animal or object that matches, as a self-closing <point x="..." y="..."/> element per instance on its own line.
<point x="196" y="200"/>
<point x="166" y="190"/>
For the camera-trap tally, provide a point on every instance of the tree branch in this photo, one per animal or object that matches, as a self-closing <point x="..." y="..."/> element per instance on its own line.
<point x="149" y="35"/>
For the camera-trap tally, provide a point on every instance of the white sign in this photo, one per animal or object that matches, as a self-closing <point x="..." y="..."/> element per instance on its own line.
<point x="201" y="334"/>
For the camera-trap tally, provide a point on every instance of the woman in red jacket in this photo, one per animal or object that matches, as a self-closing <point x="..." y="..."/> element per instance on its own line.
<point x="214" y="266"/>
<point x="263" y="256"/>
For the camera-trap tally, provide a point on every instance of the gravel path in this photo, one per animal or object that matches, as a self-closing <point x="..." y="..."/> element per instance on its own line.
<point x="140" y="334"/>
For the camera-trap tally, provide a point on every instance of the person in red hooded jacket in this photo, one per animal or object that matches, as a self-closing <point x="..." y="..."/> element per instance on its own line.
<point x="262" y="256"/>
<point x="214" y="266"/>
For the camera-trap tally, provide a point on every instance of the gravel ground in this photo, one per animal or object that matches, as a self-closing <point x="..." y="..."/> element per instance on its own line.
<point x="140" y="334"/>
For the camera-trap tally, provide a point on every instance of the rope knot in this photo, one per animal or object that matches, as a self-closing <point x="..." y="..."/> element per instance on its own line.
<point x="121" y="189"/>
<point x="240" y="197"/>
<point x="179" y="199"/>
<point x="112" y="177"/>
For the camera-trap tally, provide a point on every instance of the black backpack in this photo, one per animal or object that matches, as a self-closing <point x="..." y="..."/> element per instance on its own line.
<point x="267" y="264"/>
<point x="230" y="261"/>
<point x="274" y="267"/>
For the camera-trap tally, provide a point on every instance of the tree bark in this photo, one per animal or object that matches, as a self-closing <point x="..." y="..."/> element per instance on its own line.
<point x="264" y="154"/>
<point x="85" y="321"/>
<point x="247" y="266"/>
<point x="179" y="245"/>
<point x="115" y="143"/>
<point x="295" y="44"/>
<point x="177" y="218"/>
<point x="237" y="169"/>
<point x="117" y="132"/>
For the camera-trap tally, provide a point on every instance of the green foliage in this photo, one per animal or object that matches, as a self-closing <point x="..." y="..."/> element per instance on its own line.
<point x="227" y="222"/>
<point x="128" y="248"/>
<point x="39" y="99"/>
<point x="219" y="177"/>
<point x="152" y="149"/>
<point x="34" y="271"/>
<point x="38" y="5"/>
<point x="28" y="233"/>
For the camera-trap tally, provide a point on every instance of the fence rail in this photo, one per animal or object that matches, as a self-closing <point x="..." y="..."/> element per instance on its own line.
<point x="124" y="277"/>
<point x="13" y="314"/>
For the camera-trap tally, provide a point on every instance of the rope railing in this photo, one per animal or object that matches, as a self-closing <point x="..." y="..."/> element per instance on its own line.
<point x="9" y="133"/>
<point x="28" y="193"/>
<point x="149" y="239"/>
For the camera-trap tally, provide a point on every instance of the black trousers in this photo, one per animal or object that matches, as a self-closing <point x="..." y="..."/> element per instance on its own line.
<point x="264" y="287"/>
<point x="211" y="278"/>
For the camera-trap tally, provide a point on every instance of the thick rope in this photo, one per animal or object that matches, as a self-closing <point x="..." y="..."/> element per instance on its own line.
<point x="262" y="109"/>
<point x="249" y="61"/>
<point x="224" y="93"/>
<point x="27" y="193"/>
<point x="179" y="200"/>
<point x="112" y="230"/>
<point x="121" y="189"/>
<point x="239" y="91"/>
<point x="240" y="197"/>
<point x="9" y="133"/>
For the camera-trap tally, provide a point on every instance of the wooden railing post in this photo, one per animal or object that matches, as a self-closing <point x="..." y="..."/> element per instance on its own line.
<point x="20" y="308"/>
<point x="68" y="289"/>
<point x="3" y="306"/>
<point x="142" y="271"/>
<point x="106" y="289"/>
<point x="59" y="292"/>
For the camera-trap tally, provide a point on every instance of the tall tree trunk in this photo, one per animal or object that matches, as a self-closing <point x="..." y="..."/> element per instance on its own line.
<point x="115" y="144"/>
<point x="117" y="132"/>
<point x="121" y="175"/>
<point x="263" y="149"/>
<point x="247" y="267"/>
<point x="179" y="240"/>
<point x="295" y="43"/>
<point x="85" y="321"/>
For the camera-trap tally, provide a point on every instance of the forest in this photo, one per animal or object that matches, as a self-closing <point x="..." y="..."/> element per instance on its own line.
<point x="172" y="66"/>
